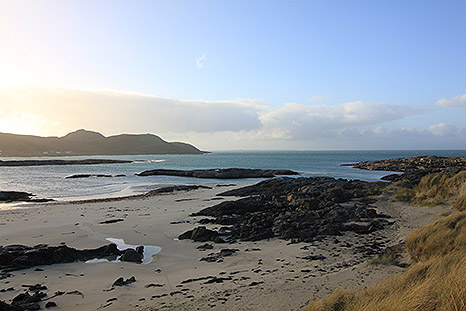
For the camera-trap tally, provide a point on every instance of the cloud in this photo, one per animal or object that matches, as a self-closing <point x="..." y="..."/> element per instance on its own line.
<point x="224" y="124"/>
<point x="443" y="129"/>
<point x="115" y="112"/>
<point x="201" y="61"/>
<point x="457" y="101"/>
<point x="296" y="121"/>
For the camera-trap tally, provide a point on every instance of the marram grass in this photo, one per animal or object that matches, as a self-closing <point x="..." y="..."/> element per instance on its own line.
<point x="436" y="282"/>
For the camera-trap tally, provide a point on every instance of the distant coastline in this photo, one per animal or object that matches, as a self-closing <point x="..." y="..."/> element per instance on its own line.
<point x="89" y="143"/>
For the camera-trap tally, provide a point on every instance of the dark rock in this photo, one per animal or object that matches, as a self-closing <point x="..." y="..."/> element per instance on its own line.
<point x="13" y="196"/>
<point x="314" y="257"/>
<point x="122" y="282"/>
<point x="35" y="287"/>
<point x="170" y="189"/>
<point x="218" y="280"/>
<point x="111" y="221"/>
<point x="297" y="209"/>
<point x="228" y="173"/>
<point x="414" y="168"/>
<point x="199" y="234"/>
<point x="15" y="257"/>
<point x="255" y="283"/>
<point x="153" y="285"/>
<point x="131" y="255"/>
<point x="228" y="251"/>
<point x="140" y="250"/>
<point x="25" y="301"/>
<point x="218" y="257"/>
<point x="93" y="175"/>
<point x="4" y="306"/>
<point x="50" y="304"/>
<point x="204" y="247"/>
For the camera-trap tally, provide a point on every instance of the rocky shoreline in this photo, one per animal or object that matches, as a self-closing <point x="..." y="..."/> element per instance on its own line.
<point x="227" y="173"/>
<point x="19" y="196"/>
<point x="301" y="209"/>
<point x="414" y="168"/>
<point x="61" y="162"/>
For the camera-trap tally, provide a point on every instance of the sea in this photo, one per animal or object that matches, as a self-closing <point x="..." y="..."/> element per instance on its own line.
<point x="50" y="181"/>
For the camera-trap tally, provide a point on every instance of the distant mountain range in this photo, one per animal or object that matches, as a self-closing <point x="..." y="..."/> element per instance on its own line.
<point x="83" y="142"/>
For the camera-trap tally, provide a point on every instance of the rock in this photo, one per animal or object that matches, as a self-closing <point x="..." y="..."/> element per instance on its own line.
<point x="170" y="189"/>
<point x="216" y="279"/>
<point x="218" y="257"/>
<point x="122" y="282"/>
<point x="204" y="247"/>
<point x="111" y="221"/>
<point x="314" y="257"/>
<point x="93" y="175"/>
<point x="414" y="168"/>
<point x="228" y="251"/>
<point x="15" y="257"/>
<point x="13" y="196"/>
<point x="228" y="173"/>
<point x="255" y="283"/>
<point x="25" y="301"/>
<point x="131" y="255"/>
<point x="199" y="234"/>
<point x="140" y="250"/>
<point x="50" y="304"/>
<point x="298" y="209"/>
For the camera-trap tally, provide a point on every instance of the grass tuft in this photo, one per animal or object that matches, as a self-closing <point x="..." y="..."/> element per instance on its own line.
<point x="446" y="235"/>
<point x="437" y="278"/>
<point x="436" y="284"/>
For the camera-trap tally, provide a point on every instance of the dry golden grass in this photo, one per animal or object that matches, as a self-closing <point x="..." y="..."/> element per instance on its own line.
<point x="438" y="188"/>
<point x="437" y="279"/>
<point x="446" y="235"/>
<point x="433" y="190"/>
<point x="436" y="284"/>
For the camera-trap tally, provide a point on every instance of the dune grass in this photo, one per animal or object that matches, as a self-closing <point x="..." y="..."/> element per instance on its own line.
<point x="446" y="235"/>
<point x="437" y="278"/>
<point x="434" y="189"/>
<point x="436" y="284"/>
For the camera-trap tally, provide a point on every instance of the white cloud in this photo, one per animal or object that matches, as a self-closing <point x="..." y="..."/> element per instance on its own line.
<point x="296" y="121"/>
<point x="443" y="129"/>
<point x="216" y="125"/>
<point x="115" y="112"/>
<point x="457" y="101"/>
<point x="201" y="61"/>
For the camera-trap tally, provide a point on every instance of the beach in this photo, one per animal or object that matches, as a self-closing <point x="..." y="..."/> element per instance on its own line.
<point x="269" y="274"/>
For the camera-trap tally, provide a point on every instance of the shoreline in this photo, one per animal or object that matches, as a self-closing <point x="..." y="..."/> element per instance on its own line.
<point x="276" y="277"/>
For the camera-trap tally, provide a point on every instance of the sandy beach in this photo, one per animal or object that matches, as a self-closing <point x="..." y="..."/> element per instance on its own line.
<point x="265" y="275"/>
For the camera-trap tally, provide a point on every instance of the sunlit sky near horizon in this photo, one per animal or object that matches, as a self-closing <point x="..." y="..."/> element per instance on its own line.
<point x="227" y="75"/>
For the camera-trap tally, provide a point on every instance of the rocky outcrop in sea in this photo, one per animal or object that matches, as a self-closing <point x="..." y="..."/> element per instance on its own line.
<point x="414" y="168"/>
<point x="227" y="173"/>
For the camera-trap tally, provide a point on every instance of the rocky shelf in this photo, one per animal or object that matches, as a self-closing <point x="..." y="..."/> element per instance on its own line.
<point x="19" y="196"/>
<point x="228" y="173"/>
<point x="61" y="162"/>
<point x="414" y="168"/>
<point x="94" y="175"/>
<point x="302" y="209"/>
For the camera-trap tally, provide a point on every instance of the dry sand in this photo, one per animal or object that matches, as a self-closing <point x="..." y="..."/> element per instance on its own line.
<point x="265" y="275"/>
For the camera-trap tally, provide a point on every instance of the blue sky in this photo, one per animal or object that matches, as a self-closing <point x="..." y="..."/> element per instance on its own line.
<point x="279" y="70"/>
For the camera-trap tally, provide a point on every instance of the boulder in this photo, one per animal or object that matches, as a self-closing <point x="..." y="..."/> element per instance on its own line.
<point x="131" y="255"/>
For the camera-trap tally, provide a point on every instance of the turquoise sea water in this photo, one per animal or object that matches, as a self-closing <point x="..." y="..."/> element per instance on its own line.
<point x="50" y="182"/>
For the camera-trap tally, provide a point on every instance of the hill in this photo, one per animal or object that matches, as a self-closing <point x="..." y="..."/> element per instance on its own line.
<point x="83" y="142"/>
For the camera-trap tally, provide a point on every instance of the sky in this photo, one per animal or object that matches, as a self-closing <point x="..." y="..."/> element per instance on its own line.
<point x="238" y="75"/>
